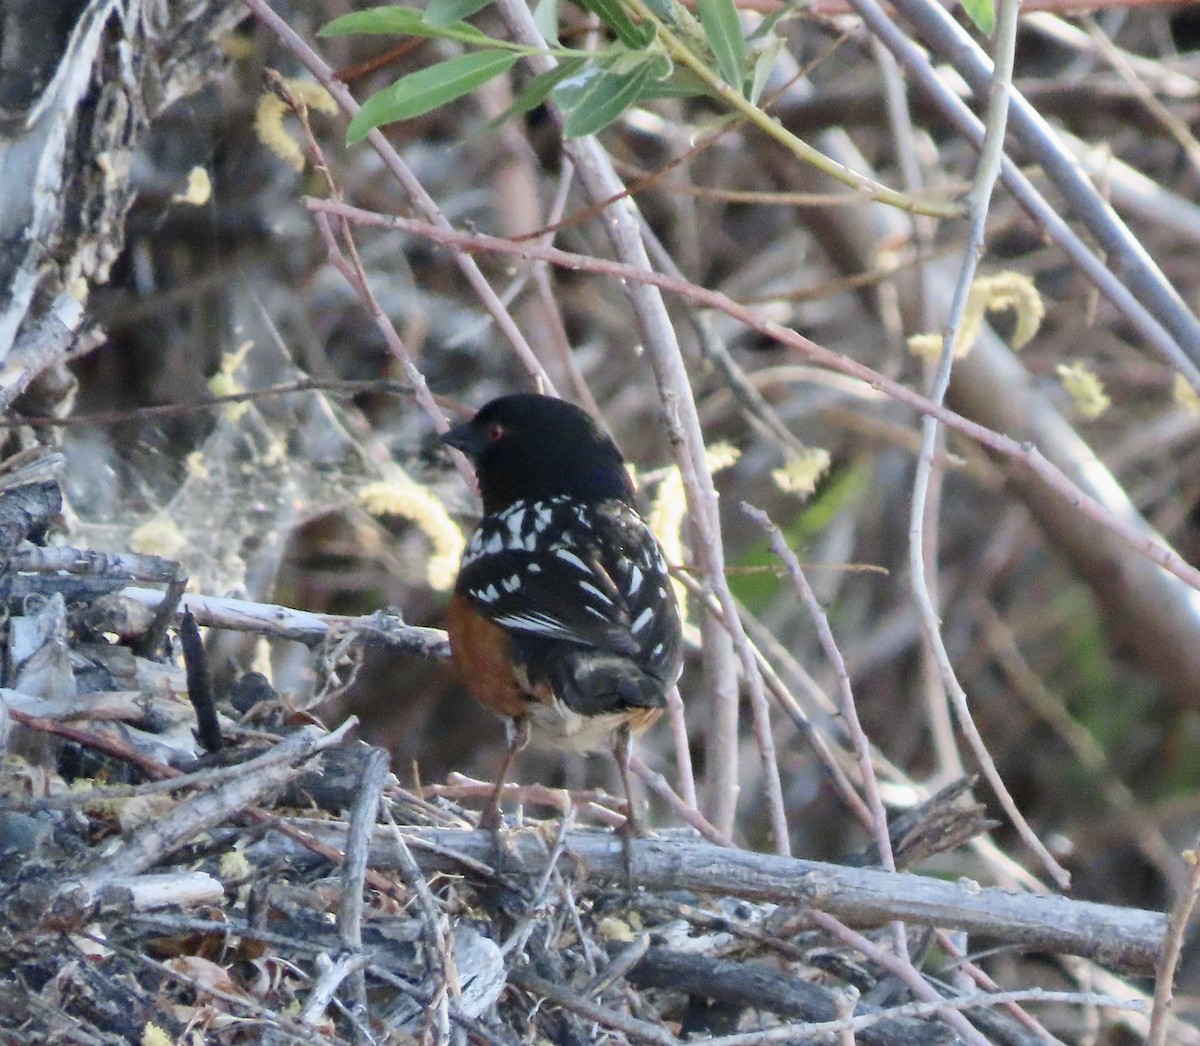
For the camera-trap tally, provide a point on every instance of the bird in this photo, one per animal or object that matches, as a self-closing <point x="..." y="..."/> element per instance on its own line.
<point x="563" y="618"/>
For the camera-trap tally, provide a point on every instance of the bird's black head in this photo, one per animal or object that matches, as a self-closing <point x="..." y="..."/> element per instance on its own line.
<point x="534" y="447"/>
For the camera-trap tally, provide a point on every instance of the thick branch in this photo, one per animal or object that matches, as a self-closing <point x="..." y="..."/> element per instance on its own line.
<point x="858" y="896"/>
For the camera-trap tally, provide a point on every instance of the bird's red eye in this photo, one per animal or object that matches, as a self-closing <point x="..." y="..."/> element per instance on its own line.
<point x="496" y="432"/>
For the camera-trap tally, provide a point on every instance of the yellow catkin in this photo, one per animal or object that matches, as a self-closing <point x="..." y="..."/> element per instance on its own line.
<point x="233" y="865"/>
<point x="1003" y="290"/>
<point x="1186" y="395"/>
<point x="153" y="1035"/>
<point x="225" y="382"/>
<point x="802" y="471"/>
<point x="198" y="190"/>
<point x="268" y="119"/>
<point x="399" y="495"/>
<point x="158" y="536"/>
<point x="669" y="508"/>
<point x="1084" y="388"/>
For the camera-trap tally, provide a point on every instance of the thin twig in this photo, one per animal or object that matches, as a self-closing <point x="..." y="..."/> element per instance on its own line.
<point x="979" y="977"/>
<point x="349" y="264"/>
<point x="435" y="927"/>
<point x="270" y="619"/>
<point x="332" y="973"/>
<point x="363" y="816"/>
<point x="475" y="1029"/>
<point x="167" y="833"/>
<point x="1176" y="127"/>
<point x="45" y="342"/>
<point x="791" y="707"/>
<point x="205" y="988"/>
<point x="681" y="745"/>
<point x="848" y="708"/>
<point x="598" y="805"/>
<point x="334" y="386"/>
<point x="734" y="99"/>
<point x="624" y="961"/>
<point x="980" y="200"/>
<point x="636" y="1030"/>
<point x="689" y="814"/>
<point x="1164" y="983"/>
<point x="515" y="944"/>
<point x="817" y="1029"/>
<point x="903" y="969"/>
<point x="847" y="705"/>
<point x="150" y="642"/>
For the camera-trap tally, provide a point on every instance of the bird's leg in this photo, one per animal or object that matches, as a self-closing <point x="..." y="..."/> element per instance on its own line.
<point x="632" y="828"/>
<point x="516" y="733"/>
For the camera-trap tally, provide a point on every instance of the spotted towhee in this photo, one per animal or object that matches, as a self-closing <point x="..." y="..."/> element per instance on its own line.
<point x="563" y="619"/>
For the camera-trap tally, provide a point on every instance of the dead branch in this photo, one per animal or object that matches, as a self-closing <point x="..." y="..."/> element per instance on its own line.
<point x="1126" y="937"/>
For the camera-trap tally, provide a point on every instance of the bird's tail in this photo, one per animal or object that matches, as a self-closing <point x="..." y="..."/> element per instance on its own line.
<point x="608" y="683"/>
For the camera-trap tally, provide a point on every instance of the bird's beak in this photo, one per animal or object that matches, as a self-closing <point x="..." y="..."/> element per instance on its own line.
<point x="464" y="438"/>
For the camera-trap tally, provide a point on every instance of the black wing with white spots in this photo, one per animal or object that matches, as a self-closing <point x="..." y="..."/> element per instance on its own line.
<point x="587" y="575"/>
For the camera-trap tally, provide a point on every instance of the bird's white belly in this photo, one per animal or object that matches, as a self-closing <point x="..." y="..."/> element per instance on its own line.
<point x="558" y="726"/>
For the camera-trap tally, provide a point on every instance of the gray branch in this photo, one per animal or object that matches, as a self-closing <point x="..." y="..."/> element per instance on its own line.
<point x="1126" y="937"/>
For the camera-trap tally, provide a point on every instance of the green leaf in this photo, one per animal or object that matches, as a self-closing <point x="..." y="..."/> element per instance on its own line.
<point x="545" y="17"/>
<point x="664" y="10"/>
<point x="682" y="84"/>
<point x="767" y="25"/>
<point x="401" y="21"/>
<point x="612" y="14"/>
<point x="724" y="33"/>
<point x="594" y="101"/>
<point x="538" y="89"/>
<point x="982" y="13"/>
<point x="447" y="12"/>
<point x="762" y="68"/>
<point x="422" y="91"/>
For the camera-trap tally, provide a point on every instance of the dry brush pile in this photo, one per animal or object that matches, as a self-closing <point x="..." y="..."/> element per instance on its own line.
<point x="924" y="327"/>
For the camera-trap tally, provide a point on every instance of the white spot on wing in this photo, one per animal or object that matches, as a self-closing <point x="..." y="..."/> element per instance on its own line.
<point x="567" y="556"/>
<point x="494" y="544"/>
<point x="486" y="595"/>
<point x="643" y="619"/>
<point x="534" y="568"/>
<point x="587" y="586"/>
<point x="542" y="624"/>
<point x="635" y="579"/>
<point x="511" y="584"/>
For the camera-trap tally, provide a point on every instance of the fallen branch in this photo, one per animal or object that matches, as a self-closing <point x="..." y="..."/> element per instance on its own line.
<point x="1126" y="937"/>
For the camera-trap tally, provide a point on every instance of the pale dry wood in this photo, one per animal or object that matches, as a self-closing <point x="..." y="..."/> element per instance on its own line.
<point x="860" y="897"/>
<point x="163" y="836"/>
<point x="243" y="615"/>
<point x="148" y="893"/>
